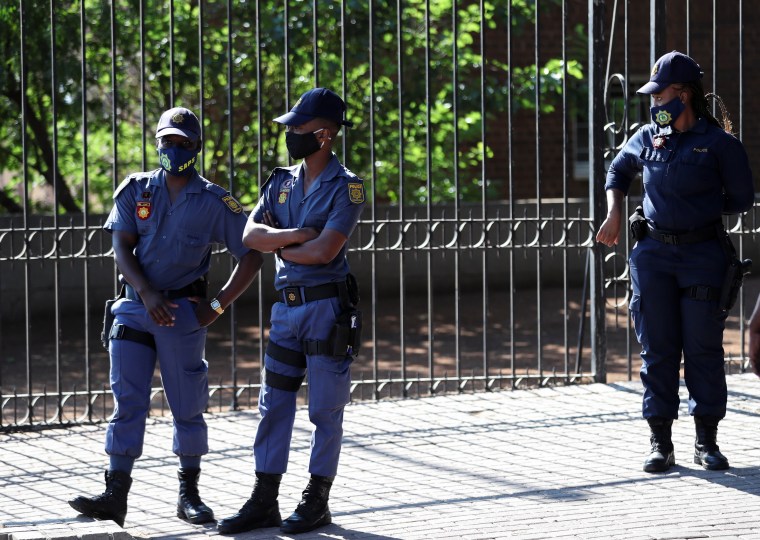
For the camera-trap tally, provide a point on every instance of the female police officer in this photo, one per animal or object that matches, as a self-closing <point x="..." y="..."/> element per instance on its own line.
<point x="694" y="171"/>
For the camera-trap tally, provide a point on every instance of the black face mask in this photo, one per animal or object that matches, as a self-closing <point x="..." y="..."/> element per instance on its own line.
<point x="301" y="146"/>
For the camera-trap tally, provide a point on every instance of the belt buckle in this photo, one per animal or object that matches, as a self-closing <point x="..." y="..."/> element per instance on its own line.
<point x="292" y="296"/>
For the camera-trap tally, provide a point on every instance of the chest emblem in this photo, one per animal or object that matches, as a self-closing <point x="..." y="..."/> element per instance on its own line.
<point x="659" y="142"/>
<point x="356" y="192"/>
<point x="283" y="197"/>
<point x="232" y="204"/>
<point x="143" y="209"/>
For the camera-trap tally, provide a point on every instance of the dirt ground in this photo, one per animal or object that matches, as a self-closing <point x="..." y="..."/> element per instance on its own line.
<point x="400" y="341"/>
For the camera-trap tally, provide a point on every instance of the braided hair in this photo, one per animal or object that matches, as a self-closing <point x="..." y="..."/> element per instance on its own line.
<point x="701" y="105"/>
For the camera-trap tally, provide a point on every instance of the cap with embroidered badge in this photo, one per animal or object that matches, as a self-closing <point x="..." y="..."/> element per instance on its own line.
<point x="316" y="103"/>
<point x="179" y="121"/>
<point x="670" y="68"/>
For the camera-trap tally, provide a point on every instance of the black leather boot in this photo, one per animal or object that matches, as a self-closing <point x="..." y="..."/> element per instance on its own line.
<point x="111" y="504"/>
<point x="312" y="512"/>
<point x="190" y="507"/>
<point x="662" y="456"/>
<point x="706" y="451"/>
<point x="261" y="510"/>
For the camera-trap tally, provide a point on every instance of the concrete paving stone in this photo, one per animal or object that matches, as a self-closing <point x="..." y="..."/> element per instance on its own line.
<point x="428" y="468"/>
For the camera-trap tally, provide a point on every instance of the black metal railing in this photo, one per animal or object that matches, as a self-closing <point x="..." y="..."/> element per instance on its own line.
<point x="482" y="132"/>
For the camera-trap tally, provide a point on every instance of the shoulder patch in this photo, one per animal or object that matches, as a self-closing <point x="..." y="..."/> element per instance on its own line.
<point x="229" y="201"/>
<point x="232" y="204"/>
<point x="356" y="192"/>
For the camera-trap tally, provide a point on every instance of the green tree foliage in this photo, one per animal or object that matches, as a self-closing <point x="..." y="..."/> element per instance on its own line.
<point x="412" y="82"/>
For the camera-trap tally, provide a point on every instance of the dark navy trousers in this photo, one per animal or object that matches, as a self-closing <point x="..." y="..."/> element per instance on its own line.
<point x="670" y="325"/>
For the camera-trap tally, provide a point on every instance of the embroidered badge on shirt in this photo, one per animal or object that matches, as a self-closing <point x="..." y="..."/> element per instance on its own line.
<point x="659" y="142"/>
<point x="143" y="209"/>
<point x="232" y="204"/>
<point x="699" y="149"/>
<point x="283" y="196"/>
<point x="356" y="192"/>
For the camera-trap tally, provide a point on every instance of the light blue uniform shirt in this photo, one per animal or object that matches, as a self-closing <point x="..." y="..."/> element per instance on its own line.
<point x="335" y="201"/>
<point x="175" y="240"/>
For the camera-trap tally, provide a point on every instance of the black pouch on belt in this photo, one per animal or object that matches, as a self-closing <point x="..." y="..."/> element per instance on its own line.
<point x="637" y="224"/>
<point x="108" y="318"/>
<point x="347" y="334"/>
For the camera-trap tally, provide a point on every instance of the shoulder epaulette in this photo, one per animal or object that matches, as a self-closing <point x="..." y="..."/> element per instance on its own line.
<point x="134" y="176"/>
<point x="274" y="173"/>
<point x="229" y="201"/>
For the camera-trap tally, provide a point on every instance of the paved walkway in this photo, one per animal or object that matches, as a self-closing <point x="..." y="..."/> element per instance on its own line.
<point x="532" y="464"/>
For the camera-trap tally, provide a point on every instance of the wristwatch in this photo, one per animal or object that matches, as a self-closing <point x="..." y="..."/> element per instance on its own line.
<point x="216" y="306"/>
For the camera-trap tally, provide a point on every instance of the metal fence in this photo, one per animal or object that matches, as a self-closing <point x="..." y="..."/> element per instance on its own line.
<point x="478" y="126"/>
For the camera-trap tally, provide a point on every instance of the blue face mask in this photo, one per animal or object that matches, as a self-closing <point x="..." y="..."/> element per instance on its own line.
<point x="177" y="161"/>
<point x="665" y="115"/>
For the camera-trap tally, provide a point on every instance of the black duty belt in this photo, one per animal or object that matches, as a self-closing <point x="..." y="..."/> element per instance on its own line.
<point x="196" y="288"/>
<point x="691" y="237"/>
<point x="296" y="296"/>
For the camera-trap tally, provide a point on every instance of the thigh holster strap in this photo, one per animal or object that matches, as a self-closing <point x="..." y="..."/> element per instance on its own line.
<point x="121" y="331"/>
<point x="704" y="293"/>
<point x="286" y="356"/>
<point x="282" y="382"/>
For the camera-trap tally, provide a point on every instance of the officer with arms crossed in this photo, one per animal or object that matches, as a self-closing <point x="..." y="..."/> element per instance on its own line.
<point x="164" y="224"/>
<point x="305" y="215"/>
<point x="694" y="171"/>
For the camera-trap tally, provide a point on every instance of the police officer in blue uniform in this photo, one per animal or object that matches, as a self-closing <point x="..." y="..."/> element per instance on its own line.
<point x="694" y="171"/>
<point x="164" y="224"/>
<point x="305" y="215"/>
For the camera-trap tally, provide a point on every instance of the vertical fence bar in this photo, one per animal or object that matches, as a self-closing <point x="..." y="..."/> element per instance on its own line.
<point x="429" y="209"/>
<point x="537" y="119"/>
<point x="259" y="178"/>
<point x="56" y="224"/>
<point x="202" y="84"/>
<point x="457" y="210"/>
<point x="86" y="211"/>
<point x="27" y="247"/>
<point x="596" y="48"/>
<point x="742" y="298"/>
<point x="286" y="60"/>
<point x="315" y="40"/>
<point x="143" y="115"/>
<point x="171" y="53"/>
<point x="231" y="184"/>
<point x="657" y="21"/>
<point x="565" y="181"/>
<point x="401" y="196"/>
<point x="373" y="184"/>
<point x="484" y="192"/>
<point x="343" y="78"/>
<point x="511" y="217"/>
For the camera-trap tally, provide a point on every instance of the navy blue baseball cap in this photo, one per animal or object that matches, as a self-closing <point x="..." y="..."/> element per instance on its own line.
<point x="179" y="121"/>
<point x="674" y="67"/>
<point x="316" y="103"/>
